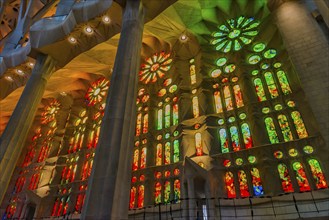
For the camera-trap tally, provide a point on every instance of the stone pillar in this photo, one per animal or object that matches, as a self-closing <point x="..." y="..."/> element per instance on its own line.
<point x="192" y="200"/>
<point x="14" y="136"/>
<point x="308" y="49"/>
<point x="109" y="184"/>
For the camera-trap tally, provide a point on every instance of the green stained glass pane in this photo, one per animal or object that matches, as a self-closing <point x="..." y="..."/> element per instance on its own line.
<point x="176" y="151"/>
<point x="247" y="139"/>
<point x="216" y="73"/>
<point x="308" y="149"/>
<point x="254" y="59"/>
<point x="285" y="129"/>
<point x="228" y="47"/>
<point x="237" y="45"/>
<point x="159" y="119"/>
<point x="176" y="133"/>
<point x="301" y="177"/>
<point x="265" y="66"/>
<point x="231" y="119"/>
<point x="221" y="61"/>
<point x="271" y="85"/>
<point x="270" y="127"/>
<point x="269" y="54"/>
<point x="277" y="65"/>
<point x="231" y="22"/>
<point x="253" y="25"/>
<point x="259" y="47"/>
<point x="266" y="110"/>
<point x="235" y="138"/>
<point x="299" y="124"/>
<point x="223" y="28"/>
<point x="259" y="90"/>
<point x="215" y="41"/>
<point x="248" y="21"/>
<point x="254" y="72"/>
<point x="283" y="82"/>
<point x="221" y="121"/>
<point x="252" y="159"/>
<point x="245" y="40"/>
<point x="167" y="192"/>
<point x="242" y="116"/>
<point x="223" y="140"/>
<point x="291" y="104"/>
<point x="250" y="33"/>
<point x="230" y="68"/>
<point x="221" y="45"/>
<point x="278" y="107"/>
<point x="317" y="174"/>
<point x="218" y="34"/>
<point x="239" y="161"/>
<point x="167" y="135"/>
<point x="278" y="154"/>
<point x="293" y="152"/>
<point x="172" y="88"/>
<point x="167" y="116"/>
<point x="285" y="178"/>
<point x="234" y="33"/>
<point x="175" y="114"/>
<point x="240" y="20"/>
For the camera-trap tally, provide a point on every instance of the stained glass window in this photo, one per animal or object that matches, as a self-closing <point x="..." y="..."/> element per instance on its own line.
<point x="176" y="190"/>
<point x="223" y="140"/>
<point x="158" y="158"/>
<point x="195" y="104"/>
<point x="140" y="199"/>
<point x="145" y="123"/>
<point x="167" y="153"/>
<point x="285" y="178"/>
<point x="228" y="99"/>
<point x="235" y="138"/>
<point x="192" y="72"/>
<point x="271" y="85"/>
<point x="159" y="119"/>
<point x="167" y="192"/>
<point x="198" y="144"/>
<point x="299" y="124"/>
<point x="157" y="193"/>
<point x="135" y="160"/>
<point x="270" y="127"/>
<point x="243" y="182"/>
<point x="176" y="151"/>
<point x="247" y="139"/>
<point x="175" y="114"/>
<point x="139" y="124"/>
<point x="218" y="102"/>
<point x="284" y="125"/>
<point x="132" y="197"/>
<point x="283" y="82"/>
<point x="256" y="182"/>
<point x="317" y="174"/>
<point x="167" y="116"/>
<point x="143" y="158"/>
<point x="155" y="67"/>
<point x="229" y="183"/>
<point x="238" y="96"/>
<point x="301" y="177"/>
<point x="260" y="90"/>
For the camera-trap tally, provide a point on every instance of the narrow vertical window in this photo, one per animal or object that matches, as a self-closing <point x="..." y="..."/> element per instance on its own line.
<point x="284" y="125"/>
<point x="167" y="116"/>
<point x="176" y="190"/>
<point x="176" y="151"/>
<point x="238" y="96"/>
<point x="218" y="102"/>
<point x="317" y="174"/>
<point x="235" y="138"/>
<point x="167" y="153"/>
<point x="223" y="140"/>
<point x="140" y="199"/>
<point x="143" y="158"/>
<point x="271" y="85"/>
<point x="159" y="119"/>
<point x="167" y="192"/>
<point x="198" y="144"/>
<point x="285" y="178"/>
<point x="259" y="90"/>
<point x="229" y="183"/>
<point x="270" y="127"/>
<point x="195" y="105"/>
<point x="146" y="123"/>
<point x="299" y="124"/>
<point x="247" y="139"/>
<point x="135" y="160"/>
<point x="192" y="73"/>
<point x="139" y="124"/>
<point x="283" y="82"/>
<point x="243" y="182"/>
<point x="157" y="193"/>
<point x="301" y="177"/>
<point x="256" y="182"/>
<point x="175" y="114"/>
<point x="228" y="99"/>
<point x="132" y="197"/>
<point x="158" y="159"/>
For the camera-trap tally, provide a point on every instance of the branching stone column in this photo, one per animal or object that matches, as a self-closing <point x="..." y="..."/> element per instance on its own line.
<point x="109" y="183"/>
<point x="14" y="136"/>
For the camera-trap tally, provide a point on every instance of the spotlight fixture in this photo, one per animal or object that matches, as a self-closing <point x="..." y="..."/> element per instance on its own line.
<point x="30" y="64"/>
<point x="183" y="38"/>
<point x="9" y="78"/>
<point x="72" y="40"/>
<point x="20" y="72"/>
<point x="106" y="19"/>
<point x="88" y="30"/>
